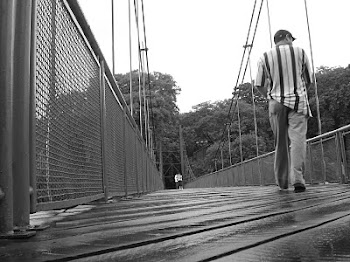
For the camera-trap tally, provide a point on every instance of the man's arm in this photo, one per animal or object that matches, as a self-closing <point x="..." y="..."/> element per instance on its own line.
<point x="261" y="78"/>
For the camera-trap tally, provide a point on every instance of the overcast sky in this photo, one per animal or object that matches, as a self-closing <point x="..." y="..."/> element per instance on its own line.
<point x="200" y="42"/>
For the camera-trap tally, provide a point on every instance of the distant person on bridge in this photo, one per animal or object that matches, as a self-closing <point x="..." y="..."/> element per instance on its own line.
<point x="283" y="77"/>
<point x="178" y="181"/>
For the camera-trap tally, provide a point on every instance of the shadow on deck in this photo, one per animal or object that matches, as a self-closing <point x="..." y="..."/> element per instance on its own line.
<point x="211" y="224"/>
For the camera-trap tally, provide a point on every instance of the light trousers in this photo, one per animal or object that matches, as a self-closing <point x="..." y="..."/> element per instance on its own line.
<point x="288" y="126"/>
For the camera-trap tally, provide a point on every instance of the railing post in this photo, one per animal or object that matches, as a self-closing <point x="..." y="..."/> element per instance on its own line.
<point x="311" y="163"/>
<point x="7" y="26"/>
<point x="344" y="160"/>
<point x="103" y="128"/>
<point x="339" y="157"/>
<point x="21" y="98"/>
<point x="32" y="119"/>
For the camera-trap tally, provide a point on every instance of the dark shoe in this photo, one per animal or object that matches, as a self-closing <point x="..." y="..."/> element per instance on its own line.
<point x="299" y="187"/>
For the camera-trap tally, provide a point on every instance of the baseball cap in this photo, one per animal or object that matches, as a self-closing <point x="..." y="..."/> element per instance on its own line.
<point x="281" y="34"/>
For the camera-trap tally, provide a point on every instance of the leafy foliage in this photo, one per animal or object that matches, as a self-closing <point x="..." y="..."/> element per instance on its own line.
<point x="207" y="129"/>
<point x="333" y="88"/>
<point x="161" y="91"/>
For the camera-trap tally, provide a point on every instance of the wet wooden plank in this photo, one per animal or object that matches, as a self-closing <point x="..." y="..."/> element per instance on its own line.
<point x="182" y="225"/>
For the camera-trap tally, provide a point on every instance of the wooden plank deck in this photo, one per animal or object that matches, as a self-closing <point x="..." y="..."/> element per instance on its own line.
<point x="209" y="224"/>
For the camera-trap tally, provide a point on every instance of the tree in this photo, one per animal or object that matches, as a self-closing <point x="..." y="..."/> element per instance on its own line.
<point x="161" y="92"/>
<point x="333" y="86"/>
<point x="205" y="129"/>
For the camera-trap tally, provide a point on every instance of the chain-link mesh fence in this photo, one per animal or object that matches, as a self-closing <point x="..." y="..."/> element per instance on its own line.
<point x="67" y="109"/>
<point x="345" y="142"/>
<point x="327" y="161"/>
<point x="70" y="132"/>
<point x="115" y="155"/>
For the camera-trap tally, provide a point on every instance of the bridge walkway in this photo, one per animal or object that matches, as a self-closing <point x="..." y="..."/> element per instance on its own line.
<point x="253" y="223"/>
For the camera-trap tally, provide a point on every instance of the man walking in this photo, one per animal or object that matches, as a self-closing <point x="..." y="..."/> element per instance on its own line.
<point x="283" y="77"/>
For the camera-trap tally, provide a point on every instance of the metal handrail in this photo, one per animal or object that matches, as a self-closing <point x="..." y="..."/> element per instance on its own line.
<point x="342" y="160"/>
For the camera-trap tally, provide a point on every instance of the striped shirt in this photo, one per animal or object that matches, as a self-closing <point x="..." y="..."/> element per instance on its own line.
<point x="285" y="73"/>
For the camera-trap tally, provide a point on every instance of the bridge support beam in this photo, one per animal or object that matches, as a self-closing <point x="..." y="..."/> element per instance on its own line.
<point x="7" y="33"/>
<point x="21" y="109"/>
<point x="15" y="83"/>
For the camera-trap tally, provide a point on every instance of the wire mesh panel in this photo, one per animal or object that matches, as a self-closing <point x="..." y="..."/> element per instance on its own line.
<point x="144" y="173"/>
<point x="210" y="181"/>
<point x="147" y="175"/>
<point x="150" y="176"/>
<point x="139" y="165"/>
<point x="237" y="178"/>
<point x="68" y="124"/>
<point x="248" y="174"/>
<point x="214" y="180"/>
<point x="241" y="175"/>
<point x="333" y="171"/>
<point x="316" y="162"/>
<point x="230" y="177"/>
<point x="199" y="182"/>
<point x="134" y="164"/>
<point x="267" y="169"/>
<point x="330" y="150"/>
<point x="346" y="137"/>
<point x="114" y="144"/>
<point x="130" y="158"/>
<point x="255" y="172"/>
<point x="222" y="178"/>
<point x="308" y="165"/>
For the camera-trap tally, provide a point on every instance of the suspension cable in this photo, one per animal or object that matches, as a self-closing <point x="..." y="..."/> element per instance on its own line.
<point x="150" y="107"/>
<point x="236" y="95"/>
<point x="251" y="45"/>
<point x="239" y="133"/>
<point x="130" y="62"/>
<point x="239" y="73"/>
<point x="144" y="95"/>
<point x="255" y="121"/>
<point x="242" y="60"/>
<point x="113" y="63"/>
<point x="316" y="95"/>
<point x="139" y="58"/>
<point x="269" y="21"/>
<point x="254" y="110"/>
<point x="314" y="74"/>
